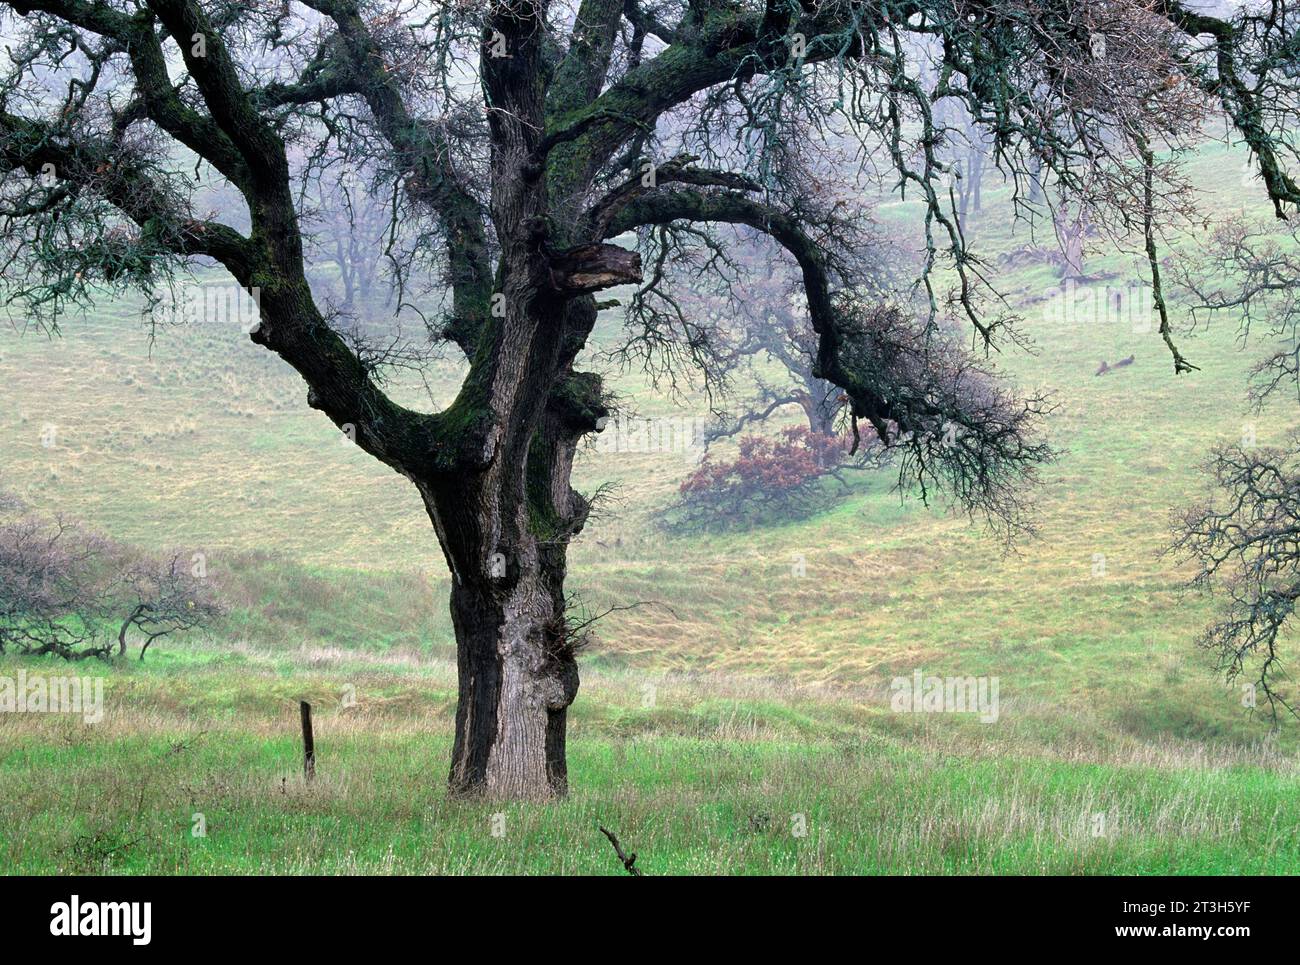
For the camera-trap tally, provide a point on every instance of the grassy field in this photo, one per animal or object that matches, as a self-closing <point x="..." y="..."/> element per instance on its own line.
<point x="717" y="775"/>
<point x="700" y="733"/>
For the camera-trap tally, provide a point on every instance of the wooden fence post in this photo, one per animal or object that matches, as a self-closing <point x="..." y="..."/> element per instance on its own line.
<point x="308" y="744"/>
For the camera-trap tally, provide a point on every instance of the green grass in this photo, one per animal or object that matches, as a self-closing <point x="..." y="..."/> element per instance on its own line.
<point x="715" y="775"/>
<point x="771" y="689"/>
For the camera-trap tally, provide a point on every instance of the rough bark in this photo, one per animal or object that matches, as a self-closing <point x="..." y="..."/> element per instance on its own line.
<point x="505" y="534"/>
<point x="517" y="678"/>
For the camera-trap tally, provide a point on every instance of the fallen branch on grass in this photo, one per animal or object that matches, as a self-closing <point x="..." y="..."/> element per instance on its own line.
<point x="629" y="862"/>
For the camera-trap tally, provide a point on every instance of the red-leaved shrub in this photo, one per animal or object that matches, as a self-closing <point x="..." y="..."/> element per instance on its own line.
<point x="781" y="473"/>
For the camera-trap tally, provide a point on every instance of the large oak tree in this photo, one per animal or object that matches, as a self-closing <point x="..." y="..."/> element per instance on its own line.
<point x="526" y="138"/>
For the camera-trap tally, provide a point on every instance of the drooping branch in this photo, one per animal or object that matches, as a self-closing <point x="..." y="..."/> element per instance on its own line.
<point x="61" y="166"/>
<point x="1181" y="364"/>
<point x="269" y="263"/>
<point x="1275" y="34"/>
<point x="956" y="427"/>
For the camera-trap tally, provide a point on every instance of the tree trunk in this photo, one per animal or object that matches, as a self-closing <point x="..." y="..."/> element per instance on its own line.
<point x="818" y="399"/>
<point x="145" y="647"/>
<point x="121" y="634"/>
<point x="822" y="420"/>
<point x="505" y="534"/>
<point x="1073" y="231"/>
<point x="517" y="676"/>
<point x="505" y="527"/>
<point x="1035" y="184"/>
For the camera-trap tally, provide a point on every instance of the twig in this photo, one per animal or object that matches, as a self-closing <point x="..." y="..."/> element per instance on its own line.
<point x="590" y="621"/>
<point x="629" y="862"/>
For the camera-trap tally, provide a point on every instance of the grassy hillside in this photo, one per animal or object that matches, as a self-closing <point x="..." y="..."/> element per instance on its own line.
<point x="770" y="687"/>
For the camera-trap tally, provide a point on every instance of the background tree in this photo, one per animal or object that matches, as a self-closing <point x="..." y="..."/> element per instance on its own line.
<point x="162" y="597"/>
<point x="521" y="179"/>
<point x="1243" y="540"/>
<point x="1242" y="536"/>
<point x="353" y="234"/>
<point x="53" y="589"/>
<point x="72" y="593"/>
